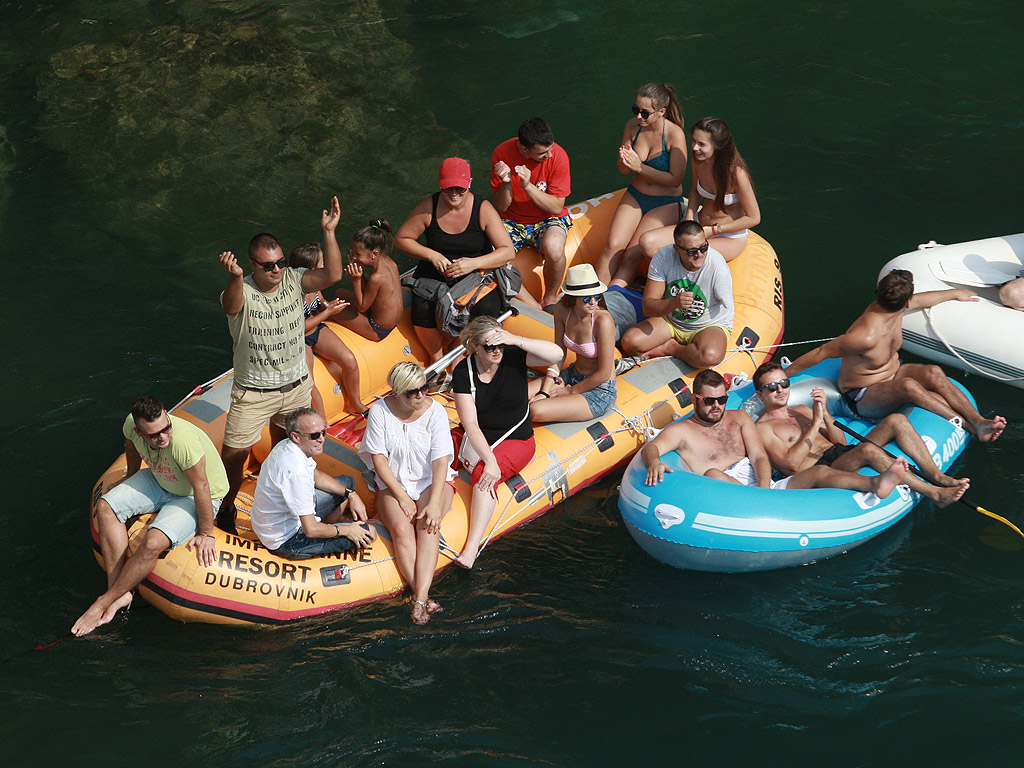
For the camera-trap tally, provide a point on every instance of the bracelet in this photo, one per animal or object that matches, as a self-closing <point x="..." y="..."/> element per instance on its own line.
<point x="337" y="531"/>
<point x="546" y="394"/>
<point x="718" y="228"/>
<point x="208" y="535"/>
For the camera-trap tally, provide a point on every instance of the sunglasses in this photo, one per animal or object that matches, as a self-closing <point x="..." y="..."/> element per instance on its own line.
<point x="643" y="113"/>
<point x="774" y="386"/>
<point x="592" y="299"/>
<point x="720" y="399"/>
<point x="411" y="393"/>
<point x="157" y="434"/>
<point x="315" y="435"/>
<point x="455" y="191"/>
<point x="270" y="266"/>
<point x="691" y="252"/>
<point x="493" y="347"/>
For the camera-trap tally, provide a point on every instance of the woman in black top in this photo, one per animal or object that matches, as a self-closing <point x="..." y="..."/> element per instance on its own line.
<point x="493" y="401"/>
<point x="461" y="232"/>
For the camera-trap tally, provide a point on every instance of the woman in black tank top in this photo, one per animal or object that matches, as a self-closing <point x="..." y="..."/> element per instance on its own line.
<point x="462" y="232"/>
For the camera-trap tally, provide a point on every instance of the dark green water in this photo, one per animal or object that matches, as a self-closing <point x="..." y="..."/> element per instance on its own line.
<point x="139" y="140"/>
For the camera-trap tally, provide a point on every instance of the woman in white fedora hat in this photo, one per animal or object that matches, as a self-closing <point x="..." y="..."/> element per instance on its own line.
<point x="586" y="389"/>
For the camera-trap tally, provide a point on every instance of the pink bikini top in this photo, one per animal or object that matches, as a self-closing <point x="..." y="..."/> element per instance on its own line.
<point x="589" y="349"/>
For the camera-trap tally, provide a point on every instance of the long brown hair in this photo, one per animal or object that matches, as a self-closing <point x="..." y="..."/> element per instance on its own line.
<point x="726" y="158"/>
<point x="662" y="95"/>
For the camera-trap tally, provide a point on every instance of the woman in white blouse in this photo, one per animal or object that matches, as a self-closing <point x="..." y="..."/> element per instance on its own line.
<point x="408" y="444"/>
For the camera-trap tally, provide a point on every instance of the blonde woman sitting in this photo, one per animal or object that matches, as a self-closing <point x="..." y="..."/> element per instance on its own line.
<point x="408" y="445"/>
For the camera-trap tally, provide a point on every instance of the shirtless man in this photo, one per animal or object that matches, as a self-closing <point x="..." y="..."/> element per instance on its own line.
<point x="874" y="382"/>
<point x="726" y="445"/>
<point x="797" y="438"/>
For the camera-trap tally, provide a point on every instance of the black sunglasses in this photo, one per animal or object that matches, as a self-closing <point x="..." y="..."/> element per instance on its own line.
<point x="155" y="435"/>
<point x="494" y="347"/>
<point x="411" y="393"/>
<point x="644" y="113"/>
<point x="315" y="435"/>
<point x="774" y="386"/>
<point x="720" y="399"/>
<point x="270" y="266"/>
<point x="691" y="252"/>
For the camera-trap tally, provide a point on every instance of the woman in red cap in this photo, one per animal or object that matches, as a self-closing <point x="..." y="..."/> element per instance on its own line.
<point x="461" y="233"/>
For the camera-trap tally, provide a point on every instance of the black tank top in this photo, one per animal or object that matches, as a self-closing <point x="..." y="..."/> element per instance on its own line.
<point x="470" y="242"/>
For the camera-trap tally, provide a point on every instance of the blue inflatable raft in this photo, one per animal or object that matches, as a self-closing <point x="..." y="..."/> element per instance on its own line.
<point x="694" y="522"/>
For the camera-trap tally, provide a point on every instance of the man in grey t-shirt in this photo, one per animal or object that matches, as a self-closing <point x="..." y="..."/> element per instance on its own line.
<point x="688" y="302"/>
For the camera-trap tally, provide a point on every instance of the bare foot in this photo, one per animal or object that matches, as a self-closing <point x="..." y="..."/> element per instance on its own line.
<point x="948" y="481"/>
<point x="988" y="430"/>
<point x="97" y="616"/>
<point x="893" y="476"/>
<point x="466" y="560"/>
<point x="943" y="497"/>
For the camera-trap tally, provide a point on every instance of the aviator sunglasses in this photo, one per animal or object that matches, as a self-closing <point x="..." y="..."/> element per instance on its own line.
<point x="720" y="399"/>
<point x="270" y="266"/>
<point x="774" y="386"/>
<point x="315" y="435"/>
<point x="592" y="299"/>
<point x="155" y="435"/>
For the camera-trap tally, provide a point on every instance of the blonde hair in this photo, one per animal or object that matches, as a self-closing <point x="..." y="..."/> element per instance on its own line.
<point x="478" y="328"/>
<point x="404" y="375"/>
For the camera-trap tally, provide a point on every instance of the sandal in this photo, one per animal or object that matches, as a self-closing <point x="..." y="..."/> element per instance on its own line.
<point x="434" y="607"/>
<point x="420" y="613"/>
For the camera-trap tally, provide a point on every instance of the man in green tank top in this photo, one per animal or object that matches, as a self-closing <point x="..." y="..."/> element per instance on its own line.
<point x="265" y="318"/>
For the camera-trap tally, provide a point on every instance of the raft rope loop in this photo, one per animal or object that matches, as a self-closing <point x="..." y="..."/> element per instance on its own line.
<point x="958" y="356"/>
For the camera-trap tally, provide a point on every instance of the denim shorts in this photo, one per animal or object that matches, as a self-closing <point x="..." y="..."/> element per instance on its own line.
<point x="300" y="546"/>
<point x="600" y="399"/>
<point x="141" y="494"/>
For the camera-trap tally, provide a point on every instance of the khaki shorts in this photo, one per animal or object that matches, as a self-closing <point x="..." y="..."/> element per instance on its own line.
<point x="250" y="410"/>
<point x="685" y="337"/>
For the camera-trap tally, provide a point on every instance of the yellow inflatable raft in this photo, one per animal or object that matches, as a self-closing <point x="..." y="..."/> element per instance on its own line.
<point x="247" y="584"/>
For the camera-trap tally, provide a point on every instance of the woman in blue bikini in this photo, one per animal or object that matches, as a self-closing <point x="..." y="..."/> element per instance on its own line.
<point x="718" y="170"/>
<point x="654" y="150"/>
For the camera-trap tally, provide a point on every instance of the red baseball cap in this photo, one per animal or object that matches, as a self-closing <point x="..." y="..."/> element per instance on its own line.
<point x="454" y="173"/>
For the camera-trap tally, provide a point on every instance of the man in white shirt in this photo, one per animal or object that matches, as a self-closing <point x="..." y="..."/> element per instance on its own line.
<point x="688" y="302"/>
<point x="297" y="509"/>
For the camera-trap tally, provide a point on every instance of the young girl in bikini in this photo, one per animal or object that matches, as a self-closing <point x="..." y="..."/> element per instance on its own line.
<point x="375" y="301"/>
<point x="321" y="340"/>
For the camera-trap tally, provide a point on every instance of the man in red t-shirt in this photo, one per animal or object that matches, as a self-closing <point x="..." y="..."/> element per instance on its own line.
<point x="531" y="181"/>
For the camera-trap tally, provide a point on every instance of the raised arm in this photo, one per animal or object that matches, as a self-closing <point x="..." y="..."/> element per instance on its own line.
<point x="837" y="347"/>
<point x="233" y="298"/>
<point x="333" y="268"/>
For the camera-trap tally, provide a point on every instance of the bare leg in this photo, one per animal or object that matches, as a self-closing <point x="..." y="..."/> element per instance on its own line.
<point x="624" y="223"/>
<point x="926" y="386"/>
<point x="138" y="567"/>
<point x="113" y="540"/>
<point x="330" y="347"/>
<point x="564" y="408"/>
<point x="234" y="466"/>
<point x="869" y="455"/>
<point x="480" y="512"/>
<point x="433" y="340"/>
<point x="705" y="350"/>
<point x="897" y="428"/>
<point x="403" y="535"/>
<point x="427" y="550"/>
<point x="827" y="477"/>
<point x="552" y="248"/>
